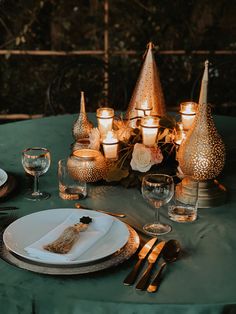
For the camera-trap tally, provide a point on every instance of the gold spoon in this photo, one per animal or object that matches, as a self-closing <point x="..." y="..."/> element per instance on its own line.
<point x="78" y="205"/>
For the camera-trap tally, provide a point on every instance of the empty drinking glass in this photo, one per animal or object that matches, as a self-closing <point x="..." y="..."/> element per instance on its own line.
<point x="184" y="209"/>
<point x="70" y="188"/>
<point x="36" y="161"/>
<point x="157" y="189"/>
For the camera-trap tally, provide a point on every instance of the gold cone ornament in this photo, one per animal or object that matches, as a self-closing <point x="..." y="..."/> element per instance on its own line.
<point x="201" y="158"/>
<point x="148" y="94"/>
<point x="82" y="125"/>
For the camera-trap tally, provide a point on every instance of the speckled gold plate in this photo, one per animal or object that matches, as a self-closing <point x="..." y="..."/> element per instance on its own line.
<point x="113" y="260"/>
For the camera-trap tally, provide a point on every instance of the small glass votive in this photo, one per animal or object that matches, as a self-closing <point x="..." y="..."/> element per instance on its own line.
<point x="143" y="109"/>
<point x="180" y="133"/>
<point x="105" y="118"/>
<point x="184" y="210"/>
<point x="69" y="187"/>
<point x="188" y="112"/>
<point x="110" y="146"/>
<point x="149" y="126"/>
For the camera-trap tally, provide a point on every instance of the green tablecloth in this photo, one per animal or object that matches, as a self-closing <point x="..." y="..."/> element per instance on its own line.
<point x="202" y="281"/>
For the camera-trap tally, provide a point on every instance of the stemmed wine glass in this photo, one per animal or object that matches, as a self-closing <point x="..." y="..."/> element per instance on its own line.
<point x="36" y="161"/>
<point x="157" y="189"/>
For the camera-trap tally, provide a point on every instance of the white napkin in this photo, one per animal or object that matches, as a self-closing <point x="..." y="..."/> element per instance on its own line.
<point x="99" y="226"/>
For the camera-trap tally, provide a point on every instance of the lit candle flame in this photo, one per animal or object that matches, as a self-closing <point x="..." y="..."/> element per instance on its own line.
<point x="189" y="108"/>
<point x="188" y="112"/>
<point x="105" y="120"/>
<point x="149" y="130"/>
<point x="145" y="105"/>
<point x="110" y="145"/>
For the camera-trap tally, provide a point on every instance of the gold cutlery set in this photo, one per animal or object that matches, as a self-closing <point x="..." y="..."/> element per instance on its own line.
<point x="168" y="250"/>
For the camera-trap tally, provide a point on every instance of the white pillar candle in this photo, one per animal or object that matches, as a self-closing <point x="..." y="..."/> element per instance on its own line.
<point x="149" y="130"/>
<point x="188" y="113"/>
<point x="105" y="120"/>
<point x="110" y="146"/>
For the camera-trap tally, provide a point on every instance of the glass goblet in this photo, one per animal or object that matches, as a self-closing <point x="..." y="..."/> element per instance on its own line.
<point x="36" y="161"/>
<point x="157" y="190"/>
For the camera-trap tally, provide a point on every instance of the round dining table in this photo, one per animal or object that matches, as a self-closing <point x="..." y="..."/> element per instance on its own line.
<point x="202" y="280"/>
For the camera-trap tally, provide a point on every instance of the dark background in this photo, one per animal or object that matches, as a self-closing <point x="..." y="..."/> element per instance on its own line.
<point x="27" y="81"/>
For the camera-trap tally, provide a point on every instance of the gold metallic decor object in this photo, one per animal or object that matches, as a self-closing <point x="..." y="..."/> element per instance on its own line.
<point x="82" y="125"/>
<point x="148" y="91"/>
<point x="87" y="165"/>
<point x="204" y="85"/>
<point x="81" y="143"/>
<point x="210" y="192"/>
<point x="202" y="156"/>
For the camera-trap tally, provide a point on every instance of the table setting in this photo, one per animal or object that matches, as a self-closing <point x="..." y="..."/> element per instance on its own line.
<point x="130" y="208"/>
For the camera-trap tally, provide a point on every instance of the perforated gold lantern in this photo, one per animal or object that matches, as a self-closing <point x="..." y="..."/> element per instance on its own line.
<point x="87" y="165"/>
<point x="202" y="156"/>
<point x="147" y="97"/>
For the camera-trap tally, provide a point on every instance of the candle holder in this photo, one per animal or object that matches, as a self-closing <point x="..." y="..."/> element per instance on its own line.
<point x="188" y="112"/>
<point x="110" y="146"/>
<point x="149" y="130"/>
<point x="202" y="156"/>
<point x="143" y="109"/>
<point x="87" y="165"/>
<point x="80" y="144"/>
<point x="180" y="133"/>
<point x="105" y="118"/>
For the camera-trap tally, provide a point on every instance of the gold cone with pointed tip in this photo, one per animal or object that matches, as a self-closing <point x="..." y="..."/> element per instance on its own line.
<point x="148" y="88"/>
<point x="82" y="125"/>
<point x="204" y="85"/>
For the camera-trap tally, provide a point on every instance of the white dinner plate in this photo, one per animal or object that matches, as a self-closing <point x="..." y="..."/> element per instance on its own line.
<point x="30" y="228"/>
<point x="3" y="177"/>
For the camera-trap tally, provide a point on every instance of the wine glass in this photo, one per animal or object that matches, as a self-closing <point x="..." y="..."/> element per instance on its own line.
<point x="157" y="189"/>
<point x="36" y="161"/>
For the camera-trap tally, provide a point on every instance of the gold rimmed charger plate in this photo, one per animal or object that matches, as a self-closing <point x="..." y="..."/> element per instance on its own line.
<point x="8" y="186"/>
<point x="113" y="260"/>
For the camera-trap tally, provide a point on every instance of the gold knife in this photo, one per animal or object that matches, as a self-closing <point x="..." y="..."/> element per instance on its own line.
<point x="130" y="279"/>
<point x="141" y="285"/>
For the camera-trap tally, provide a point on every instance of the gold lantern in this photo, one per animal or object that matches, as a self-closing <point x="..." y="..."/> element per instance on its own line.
<point x="147" y="97"/>
<point x="201" y="158"/>
<point x="87" y="165"/>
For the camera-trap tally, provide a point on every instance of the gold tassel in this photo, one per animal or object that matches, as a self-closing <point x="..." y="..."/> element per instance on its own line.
<point x="69" y="236"/>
